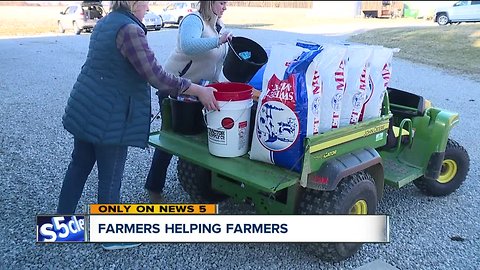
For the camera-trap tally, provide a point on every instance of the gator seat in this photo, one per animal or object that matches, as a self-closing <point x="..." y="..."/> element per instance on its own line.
<point x="410" y="105"/>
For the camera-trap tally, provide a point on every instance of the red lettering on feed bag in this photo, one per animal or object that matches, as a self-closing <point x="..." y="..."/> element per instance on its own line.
<point x="317" y="89"/>
<point x="386" y="75"/>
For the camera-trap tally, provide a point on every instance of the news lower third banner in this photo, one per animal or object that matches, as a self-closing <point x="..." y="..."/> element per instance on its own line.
<point x="183" y="223"/>
<point x="238" y="228"/>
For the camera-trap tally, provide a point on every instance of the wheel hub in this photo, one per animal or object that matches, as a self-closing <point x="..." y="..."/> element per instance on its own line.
<point x="448" y="171"/>
<point x="442" y="20"/>
<point x="359" y="208"/>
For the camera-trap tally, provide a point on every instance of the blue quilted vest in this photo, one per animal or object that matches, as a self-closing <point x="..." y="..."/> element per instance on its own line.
<point x="110" y="102"/>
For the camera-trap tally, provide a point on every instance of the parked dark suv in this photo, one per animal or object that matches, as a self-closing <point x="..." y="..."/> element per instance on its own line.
<point x="81" y="16"/>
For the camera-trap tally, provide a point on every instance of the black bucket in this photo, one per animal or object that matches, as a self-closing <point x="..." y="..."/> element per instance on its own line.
<point x="238" y="69"/>
<point x="187" y="116"/>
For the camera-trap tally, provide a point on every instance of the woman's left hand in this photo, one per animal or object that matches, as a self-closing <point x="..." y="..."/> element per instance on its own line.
<point x="207" y="98"/>
<point x="225" y="37"/>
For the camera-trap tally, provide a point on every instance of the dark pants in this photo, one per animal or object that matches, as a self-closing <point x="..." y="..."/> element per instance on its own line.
<point x="110" y="161"/>
<point x="160" y="162"/>
<point x="158" y="171"/>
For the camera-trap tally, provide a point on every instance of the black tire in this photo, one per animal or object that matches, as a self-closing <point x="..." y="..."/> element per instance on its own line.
<point x="356" y="194"/>
<point x="60" y="28"/>
<point x="76" y="29"/>
<point x="455" y="167"/>
<point x="197" y="182"/>
<point x="163" y="23"/>
<point x="442" y="19"/>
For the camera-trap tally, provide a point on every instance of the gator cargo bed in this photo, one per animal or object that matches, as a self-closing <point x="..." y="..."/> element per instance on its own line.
<point x="263" y="176"/>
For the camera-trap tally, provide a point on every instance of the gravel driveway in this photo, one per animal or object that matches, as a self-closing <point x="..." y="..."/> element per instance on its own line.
<point x="36" y="75"/>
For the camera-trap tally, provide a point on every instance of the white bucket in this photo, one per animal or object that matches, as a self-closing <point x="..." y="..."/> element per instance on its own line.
<point x="228" y="129"/>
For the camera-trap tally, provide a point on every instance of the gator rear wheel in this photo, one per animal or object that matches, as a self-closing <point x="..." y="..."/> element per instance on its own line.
<point x="355" y="195"/>
<point x="454" y="170"/>
<point x="197" y="182"/>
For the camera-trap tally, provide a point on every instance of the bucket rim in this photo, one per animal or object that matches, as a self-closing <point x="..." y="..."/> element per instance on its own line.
<point x="238" y="69"/>
<point x="261" y="50"/>
<point x="223" y="92"/>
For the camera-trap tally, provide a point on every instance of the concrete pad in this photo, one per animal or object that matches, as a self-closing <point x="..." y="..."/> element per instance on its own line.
<point x="377" y="265"/>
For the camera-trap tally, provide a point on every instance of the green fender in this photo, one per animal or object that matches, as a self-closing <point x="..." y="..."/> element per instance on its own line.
<point x="336" y="169"/>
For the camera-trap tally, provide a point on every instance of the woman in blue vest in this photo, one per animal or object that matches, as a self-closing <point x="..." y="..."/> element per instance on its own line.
<point x="109" y="106"/>
<point x="199" y="54"/>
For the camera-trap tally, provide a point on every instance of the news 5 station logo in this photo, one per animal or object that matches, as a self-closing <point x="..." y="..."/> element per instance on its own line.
<point x="61" y="228"/>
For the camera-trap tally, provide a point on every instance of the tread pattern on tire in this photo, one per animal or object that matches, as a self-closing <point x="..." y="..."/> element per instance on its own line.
<point x="329" y="202"/>
<point x="196" y="181"/>
<point x="434" y="188"/>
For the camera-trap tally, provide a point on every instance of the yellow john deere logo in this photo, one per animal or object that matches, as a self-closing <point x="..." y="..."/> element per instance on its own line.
<point x="347" y="138"/>
<point x="373" y="130"/>
<point x="329" y="154"/>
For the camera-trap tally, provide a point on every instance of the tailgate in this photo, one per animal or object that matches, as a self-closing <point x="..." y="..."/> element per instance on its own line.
<point x="194" y="148"/>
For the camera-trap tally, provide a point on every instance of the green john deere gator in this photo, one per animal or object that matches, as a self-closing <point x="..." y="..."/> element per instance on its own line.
<point x="346" y="167"/>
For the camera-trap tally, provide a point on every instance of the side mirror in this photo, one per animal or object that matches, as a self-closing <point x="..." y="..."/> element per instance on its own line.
<point x="61" y="13"/>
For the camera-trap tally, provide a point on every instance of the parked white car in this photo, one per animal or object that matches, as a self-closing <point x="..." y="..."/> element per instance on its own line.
<point x="461" y="11"/>
<point x="152" y="21"/>
<point x="80" y="16"/>
<point x="176" y="11"/>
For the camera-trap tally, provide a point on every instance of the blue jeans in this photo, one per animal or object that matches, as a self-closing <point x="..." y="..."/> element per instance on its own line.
<point x="110" y="161"/>
<point x="158" y="169"/>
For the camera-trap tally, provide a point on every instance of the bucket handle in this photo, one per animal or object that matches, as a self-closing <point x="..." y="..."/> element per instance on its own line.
<point x="205" y="112"/>
<point x="231" y="47"/>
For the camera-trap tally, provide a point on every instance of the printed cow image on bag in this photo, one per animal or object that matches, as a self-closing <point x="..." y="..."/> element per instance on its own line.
<point x="285" y="112"/>
<point x="277" y="123"/>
